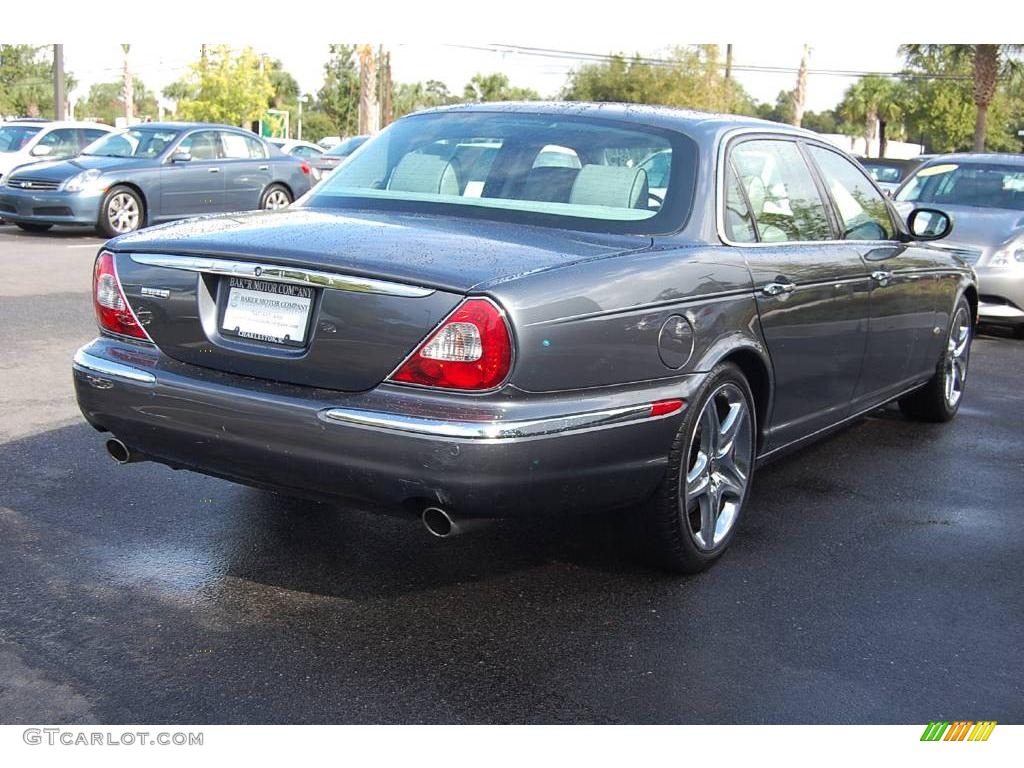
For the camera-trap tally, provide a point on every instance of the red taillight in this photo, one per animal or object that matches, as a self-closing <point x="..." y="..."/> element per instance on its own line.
<point x="471" y="350"/>
<point x="112" y="309"/>
<point x="305" y="168"/>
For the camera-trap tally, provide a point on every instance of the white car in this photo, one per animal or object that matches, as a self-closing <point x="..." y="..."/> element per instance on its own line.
<point x="31" y="141"/>
<point x="296" y="148"/>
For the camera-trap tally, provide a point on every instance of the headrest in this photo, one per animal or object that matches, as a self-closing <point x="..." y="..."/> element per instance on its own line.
<point x="612" y="186"/>
<point x="430" y="174"/>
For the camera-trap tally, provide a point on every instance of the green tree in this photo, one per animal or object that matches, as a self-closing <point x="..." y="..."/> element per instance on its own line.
<point x="26" y="80"/>
<point x="338" y="98"/>
<point x="106" y="102"/>
<point x="873" y="102"/>
<point x="987" y="62"/>
<point x="412" y="97"/>
<point x="688" y="77"/>
<point x="285" y="87"/>
<point x="224" y="87"/>
<point x="496" y="87"/>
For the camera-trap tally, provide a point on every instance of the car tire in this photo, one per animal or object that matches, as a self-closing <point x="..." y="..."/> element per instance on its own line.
<point x="34" y="227"/>
<point x="274" y="197"/>
<point x="121" y="211"/>
<point x="692" y="517"/>
<point x="939" y="399"/>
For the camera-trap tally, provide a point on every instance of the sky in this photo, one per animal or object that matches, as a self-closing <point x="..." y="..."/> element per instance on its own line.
<point x="158" y="63"/>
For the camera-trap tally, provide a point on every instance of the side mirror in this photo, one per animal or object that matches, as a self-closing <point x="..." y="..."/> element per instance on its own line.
<point x="41" y="150"/>
<point x="181" y="157"/>
<point x="929" y="224"/>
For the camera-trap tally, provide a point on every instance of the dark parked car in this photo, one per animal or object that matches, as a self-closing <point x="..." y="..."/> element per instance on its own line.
<point x="334" y="156"/>
<point x="985" y="196"/>
<point x="151" y="173"/>
<point x="559" y="339"/>
<point x="889" y="172"/>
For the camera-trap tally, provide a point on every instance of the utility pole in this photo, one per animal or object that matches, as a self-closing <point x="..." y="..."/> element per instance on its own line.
<point x="387" y="108"/>
<point x="259" y="132"/>
<point x="59" y="97"/>
<point x="800" y="94"/>
<point x="298" y="128"/>
<point x="369" y="112"/>
<point x="129" y="88"/>
<point x="728" y="77"/>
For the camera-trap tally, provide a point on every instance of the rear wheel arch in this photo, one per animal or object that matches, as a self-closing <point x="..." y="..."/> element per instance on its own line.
<point x="277" y="183"/>
<point x="755" y="367"/>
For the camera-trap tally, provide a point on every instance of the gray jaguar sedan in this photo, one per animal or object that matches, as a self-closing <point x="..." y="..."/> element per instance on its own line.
<point x="151" y="173"/>
<point x="455" y="327"/>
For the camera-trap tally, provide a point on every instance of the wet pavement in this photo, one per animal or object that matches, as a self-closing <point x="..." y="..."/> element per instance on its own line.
<point x="876" y="578"/>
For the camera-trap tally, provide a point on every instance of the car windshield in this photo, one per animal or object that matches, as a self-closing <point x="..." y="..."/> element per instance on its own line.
<point x="981" y="185"/>
<point x="135" y="142"/>
<point x="887" y="174"/>
<point x="538" y="168"/>
<point x="14" y="137"/>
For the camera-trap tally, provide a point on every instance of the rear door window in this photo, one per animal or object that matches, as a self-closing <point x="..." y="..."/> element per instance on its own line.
<point x="784" y="199"/>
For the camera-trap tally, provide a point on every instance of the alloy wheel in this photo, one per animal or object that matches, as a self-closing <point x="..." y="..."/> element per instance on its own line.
<point x="276" y="198"/>
<point x="957" y="353"/>
<point x="717" y="467"/>
<point x="123" y="213"/>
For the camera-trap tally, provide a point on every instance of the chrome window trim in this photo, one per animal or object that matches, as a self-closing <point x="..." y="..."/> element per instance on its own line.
<point x="491" y="429"/>
<point x="282" y="274"/>
<point x="91" y="364"/>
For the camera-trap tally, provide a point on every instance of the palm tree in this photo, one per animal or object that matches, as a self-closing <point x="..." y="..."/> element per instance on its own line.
<point x="872" y="103"/>
<point x="988" y="63"/>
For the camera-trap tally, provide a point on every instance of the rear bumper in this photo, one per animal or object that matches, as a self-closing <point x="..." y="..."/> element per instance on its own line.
<point x="54" y="207"/>
<point x="395" y="447"/>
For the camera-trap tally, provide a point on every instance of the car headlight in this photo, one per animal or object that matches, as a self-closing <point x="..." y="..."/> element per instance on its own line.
<point x="1008" y="257"/>
<point x="84" y="181"/>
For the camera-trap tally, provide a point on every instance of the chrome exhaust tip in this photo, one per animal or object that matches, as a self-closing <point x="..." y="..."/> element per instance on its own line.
<point x="438" y="522"/>
<point x="441" y="524"/>
<point x="120" y="452"/>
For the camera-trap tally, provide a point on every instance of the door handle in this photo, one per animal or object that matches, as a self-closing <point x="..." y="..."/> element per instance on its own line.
<point x="213" y="170"/>
<point x="881" y="275"/>
<point x="777" y="289"/>
<point x="264" y="168"/>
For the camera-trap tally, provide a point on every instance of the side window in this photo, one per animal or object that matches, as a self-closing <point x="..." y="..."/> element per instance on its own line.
<point x="783" y="197"/>
<point x="306" y="153"/>
<point x="739" y="224"/>
<point x="204" y="145"/>
<point x="240" y="147"/>
<point x="60" y="142"/>
<point x="862" y="209"/>
<point x="256" y="150"/>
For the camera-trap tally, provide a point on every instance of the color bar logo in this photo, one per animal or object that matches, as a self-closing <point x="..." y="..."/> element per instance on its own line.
<point x="961" y="730"/>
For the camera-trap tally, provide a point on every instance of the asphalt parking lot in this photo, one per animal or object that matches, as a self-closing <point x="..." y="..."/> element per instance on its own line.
<point x="876" y="579"/>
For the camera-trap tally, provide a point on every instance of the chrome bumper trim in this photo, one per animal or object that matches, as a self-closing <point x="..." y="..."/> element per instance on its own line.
<point x="90" y="364"/>
<point x="490" y="429"/>
<point x="282" y="274"/>
<point x="1001" y="311"/>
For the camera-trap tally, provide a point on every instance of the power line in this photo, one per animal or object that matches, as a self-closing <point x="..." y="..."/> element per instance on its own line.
<point x="584" y="56"/>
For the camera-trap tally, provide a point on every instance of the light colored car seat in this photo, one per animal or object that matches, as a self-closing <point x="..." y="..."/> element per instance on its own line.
<point x="611" y="186"/>
<point x="427" y="174"/>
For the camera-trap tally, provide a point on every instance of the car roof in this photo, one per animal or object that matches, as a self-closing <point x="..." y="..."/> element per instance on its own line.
<point x="182" y="126"/>
<point x="999" y="158"/>
<point x="676" y="118"/>
<point x="57" y="123"/>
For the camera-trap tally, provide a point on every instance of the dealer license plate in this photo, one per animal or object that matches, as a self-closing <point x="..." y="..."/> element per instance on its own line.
<point x="267" y="311"/>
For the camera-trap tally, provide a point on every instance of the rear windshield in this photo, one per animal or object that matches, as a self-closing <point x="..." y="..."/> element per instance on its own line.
<point x="347" y="147"/>
<point x="981" y="185"/>
<point x="575" y="172"/>
<point x="14" y="137"/>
